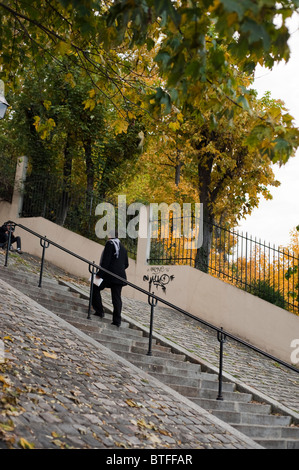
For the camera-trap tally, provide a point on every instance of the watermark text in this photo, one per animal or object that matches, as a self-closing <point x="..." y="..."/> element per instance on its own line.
<point x="295" y="352"/>
<point x="165" y="221"/>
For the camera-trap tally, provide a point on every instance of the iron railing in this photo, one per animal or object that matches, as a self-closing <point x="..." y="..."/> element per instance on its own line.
<point x="153" y="299"/>
<point x="269" y="272"/>
<point x="67" y="205"/>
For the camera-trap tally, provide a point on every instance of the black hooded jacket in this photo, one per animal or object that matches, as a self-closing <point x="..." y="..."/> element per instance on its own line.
<point x="114" y="262"/>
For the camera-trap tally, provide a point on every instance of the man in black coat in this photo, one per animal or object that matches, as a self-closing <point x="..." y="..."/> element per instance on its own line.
<point x="114" y="259"/>
<point x="4" y="236"/>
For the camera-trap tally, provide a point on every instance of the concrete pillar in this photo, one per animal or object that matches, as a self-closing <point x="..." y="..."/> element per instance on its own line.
<point x="17" y="199"/>
<point x="144" y="238"/>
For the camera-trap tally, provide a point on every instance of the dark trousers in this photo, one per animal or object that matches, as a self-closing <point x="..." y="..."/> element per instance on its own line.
<point x="115" y="297"/>
<point x="14" y="239"/>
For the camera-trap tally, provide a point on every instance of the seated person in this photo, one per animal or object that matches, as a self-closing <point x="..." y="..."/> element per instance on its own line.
<point x="4" y="235"/>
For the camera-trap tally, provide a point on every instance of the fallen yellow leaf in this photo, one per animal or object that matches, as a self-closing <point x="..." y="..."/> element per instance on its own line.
<point x="25" y="444"/>
<point x="51" y="355"/>
<point x="4" y="381"/>
<point x="133" y="404"/>
<point x="8" y="426"/>
<point x="8" y="338"/>
<point x="59" y="443"/>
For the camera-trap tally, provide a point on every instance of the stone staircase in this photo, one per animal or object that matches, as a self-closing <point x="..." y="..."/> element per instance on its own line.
<point x="175" y="368"/>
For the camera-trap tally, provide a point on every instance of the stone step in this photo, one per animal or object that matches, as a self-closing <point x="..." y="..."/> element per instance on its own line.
<point x="105" y="333"/>
<point x="118" y="335"/>
<point x="54" y="294"/>
<point x="156" y="352"/>
<point x="54" y="305"/>
<point x="32" y="279"/>
<point x="203" y="381"/>
<point x="119" y="348"/>
<point x="81" y="317"/>
<point x="60" y="308"/>
<point x="269" y="432"/>
<point x="172" y="361"/>
<point x="227" y="396"/>
<point x="109" y="331"/>
<point x="195" y="392"/>
<point x="186" y="369"/>
<point x="30" y="289"/>
<point x="114" y="343"/>
<point x="278" y="443"/>
<point x="235" y="417"/>
<point x="225" y="405"/>
<point x="51" y="296"/>
<point x="93" y="330"/>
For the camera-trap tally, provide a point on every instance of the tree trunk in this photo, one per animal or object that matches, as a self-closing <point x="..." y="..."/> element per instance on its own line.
<point x="89" y="166"/>
<point x="178" y="172"/>
<point x="202" y="258"/>
<point x="203" y="253"/>
<point x="65" y="196"/>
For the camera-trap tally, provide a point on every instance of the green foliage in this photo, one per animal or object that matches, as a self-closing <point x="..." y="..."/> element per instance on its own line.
<point x="202" y="45"/>
<point x="120" y="156"/>
<point x="290" y="273"/>
<point x="8" y="158"/>
<point x="68" y="133"/>
<point x="264" y="290"/>
<point x="162" y="57"/>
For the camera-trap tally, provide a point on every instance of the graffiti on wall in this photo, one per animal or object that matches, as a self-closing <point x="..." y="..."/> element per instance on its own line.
<point x="158" y="277"/>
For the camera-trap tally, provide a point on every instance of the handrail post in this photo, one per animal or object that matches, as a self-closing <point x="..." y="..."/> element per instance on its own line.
<point x="92" y="271"/>
<point x="45" y="244"/>
<point x="8" y="246"/>
<point x="153" y="302"/>
<point x="221" y="338"/>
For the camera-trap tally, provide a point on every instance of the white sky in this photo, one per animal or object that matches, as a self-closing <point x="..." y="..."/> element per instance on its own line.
<point x="273" y="220"/>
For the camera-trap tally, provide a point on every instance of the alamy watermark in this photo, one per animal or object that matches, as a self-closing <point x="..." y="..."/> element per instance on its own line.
<point x="186" y="221"/>
<point x="295" y="353"/>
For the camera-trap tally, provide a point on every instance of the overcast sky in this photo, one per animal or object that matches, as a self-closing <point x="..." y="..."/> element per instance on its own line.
<point x="273" y="220"/>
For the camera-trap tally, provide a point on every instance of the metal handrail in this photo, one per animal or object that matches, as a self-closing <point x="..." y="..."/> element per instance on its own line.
<point x="153" y="299"/>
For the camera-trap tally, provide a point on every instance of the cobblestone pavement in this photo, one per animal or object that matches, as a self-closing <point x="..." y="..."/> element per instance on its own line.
<point x="61" y="389"/>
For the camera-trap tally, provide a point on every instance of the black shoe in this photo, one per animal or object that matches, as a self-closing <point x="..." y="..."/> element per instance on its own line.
<point x="116" y="324"/>
<point x="101" y="315"/>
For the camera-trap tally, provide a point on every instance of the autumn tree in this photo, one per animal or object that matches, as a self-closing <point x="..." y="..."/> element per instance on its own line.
<point x="197" y="57"/>
<point x="8" y="160"/>
<point x="190" y="43"/>
<point x="218" y="164"/>
<point x="75" y="151"/>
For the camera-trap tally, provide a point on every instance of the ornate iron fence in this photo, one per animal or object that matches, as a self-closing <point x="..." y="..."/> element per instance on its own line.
<point x="269" y="272"/>
<point x="66" y="205"/>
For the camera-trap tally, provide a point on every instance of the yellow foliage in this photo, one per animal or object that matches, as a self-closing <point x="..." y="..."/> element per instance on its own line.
<point x="89" y="104"/>
<point x="70" y="79"/>
<point x="62" y="48"/>
<point x="174" y="126"/>
<point x="120" y="126"/>
<point x="47" y="104"/>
